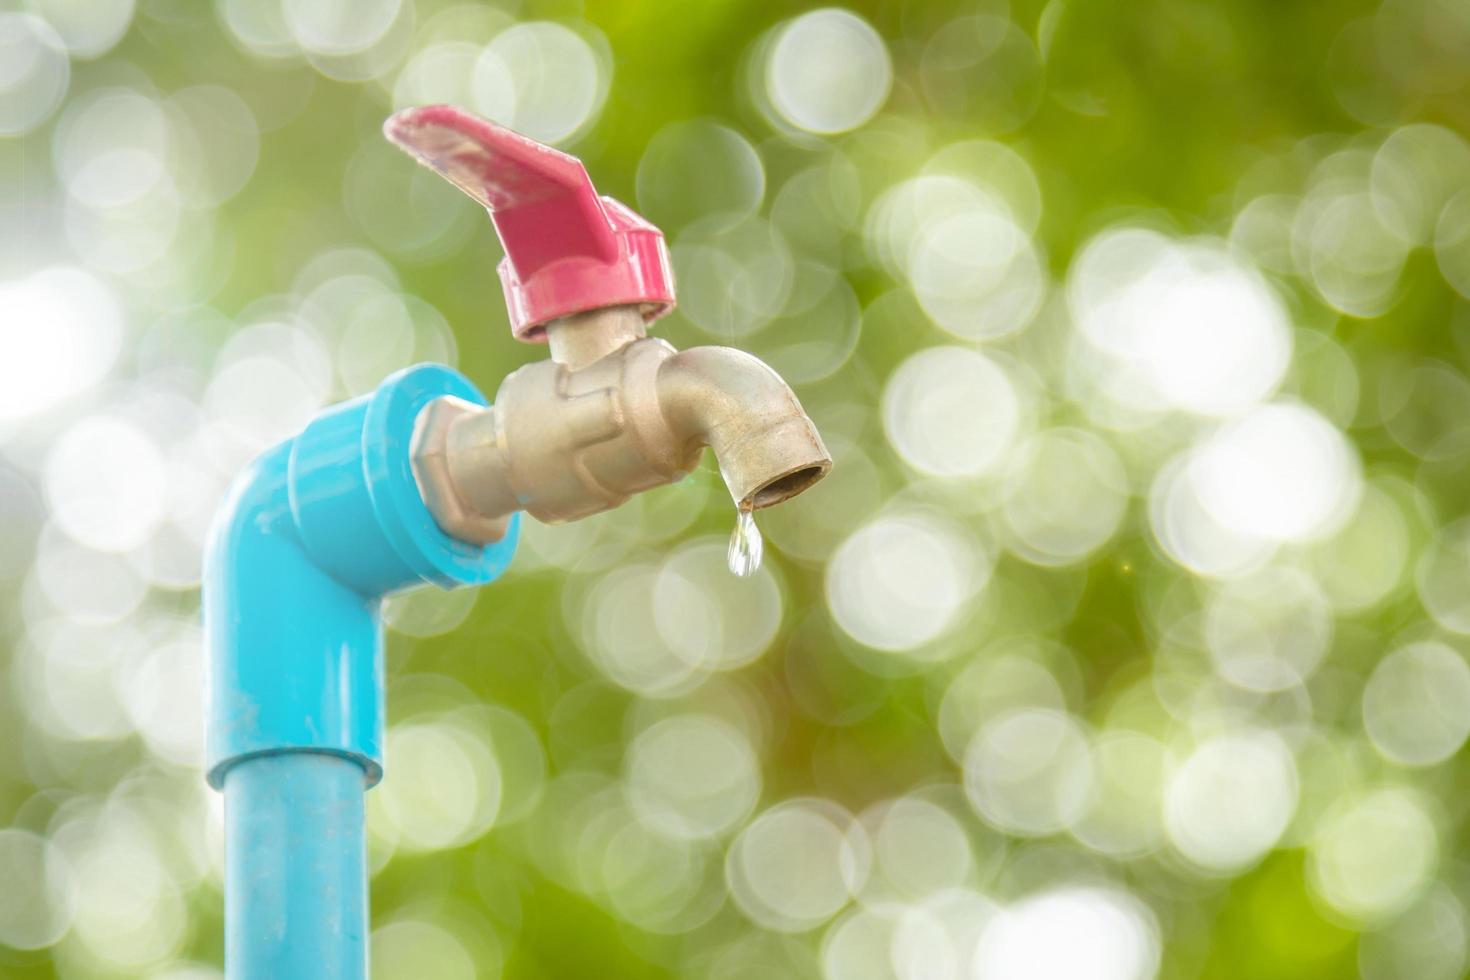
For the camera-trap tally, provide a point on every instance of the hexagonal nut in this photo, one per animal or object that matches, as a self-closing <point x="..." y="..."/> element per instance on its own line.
<point x="429" y="454"/>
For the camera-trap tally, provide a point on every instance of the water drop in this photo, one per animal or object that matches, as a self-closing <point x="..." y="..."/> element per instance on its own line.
<point x="745" y="545"/>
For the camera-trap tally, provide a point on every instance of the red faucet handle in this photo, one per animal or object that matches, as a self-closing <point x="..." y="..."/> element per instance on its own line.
<point x="566" y="249"/>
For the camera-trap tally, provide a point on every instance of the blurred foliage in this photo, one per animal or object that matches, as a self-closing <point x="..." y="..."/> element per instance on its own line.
<point x="1127" y="637"/>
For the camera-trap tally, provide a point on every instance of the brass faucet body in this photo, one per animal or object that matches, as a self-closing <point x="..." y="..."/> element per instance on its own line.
<point x="613" y="412"/>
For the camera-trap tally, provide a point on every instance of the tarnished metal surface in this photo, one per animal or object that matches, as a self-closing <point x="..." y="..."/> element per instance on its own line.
<point x="613" y="413"/>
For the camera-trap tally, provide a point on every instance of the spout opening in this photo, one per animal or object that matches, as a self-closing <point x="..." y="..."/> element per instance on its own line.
<point x="784" y="487"/>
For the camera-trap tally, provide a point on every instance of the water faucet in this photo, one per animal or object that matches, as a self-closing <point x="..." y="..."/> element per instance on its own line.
<point x="613" y="412"/>
<point x="422" y="482"/>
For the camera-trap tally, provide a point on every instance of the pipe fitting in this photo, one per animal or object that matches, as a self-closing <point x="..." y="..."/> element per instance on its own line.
<point x="432" y="457"/>
<point x="314" y="533"/>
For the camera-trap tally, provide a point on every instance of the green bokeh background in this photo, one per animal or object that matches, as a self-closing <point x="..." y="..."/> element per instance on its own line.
<point x="1167" y="113"/>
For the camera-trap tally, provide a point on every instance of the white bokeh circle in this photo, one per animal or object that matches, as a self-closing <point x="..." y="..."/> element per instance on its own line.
<point x="1416" y="704"/>
<point x="828" y="71"/>
<point x="952" y="412"/>
<point x="797" y="864"/>
<point x="904" y="579"/>
<point x="1230" y="800"/>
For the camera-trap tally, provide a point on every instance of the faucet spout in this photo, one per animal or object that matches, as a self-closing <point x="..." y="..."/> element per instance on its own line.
<point x="767" y="449"/>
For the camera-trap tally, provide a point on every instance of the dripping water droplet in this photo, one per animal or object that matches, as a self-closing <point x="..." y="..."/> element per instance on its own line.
<point x="744" y="556"/>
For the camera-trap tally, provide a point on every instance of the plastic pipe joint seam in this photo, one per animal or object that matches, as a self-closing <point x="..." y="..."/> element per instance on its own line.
<point x="315" y="532"/>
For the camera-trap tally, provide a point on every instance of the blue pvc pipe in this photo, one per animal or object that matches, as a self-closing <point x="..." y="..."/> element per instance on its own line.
<point x="295" y="868"/>
<point x="313" y="535"/>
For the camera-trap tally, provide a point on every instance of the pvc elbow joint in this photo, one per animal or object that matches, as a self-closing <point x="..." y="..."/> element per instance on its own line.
<point x="313" y="535"/>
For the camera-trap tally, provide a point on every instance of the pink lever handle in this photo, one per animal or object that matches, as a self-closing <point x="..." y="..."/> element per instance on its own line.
<point x="567" y="250"/>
